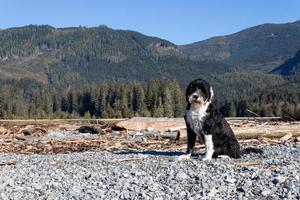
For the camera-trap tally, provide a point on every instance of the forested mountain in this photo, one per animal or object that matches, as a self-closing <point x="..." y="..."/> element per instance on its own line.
<point x="93" y="55"/>
<point x="101" y="72"/>
<point x="82" y="54"/>
<point x="262" y="47"/>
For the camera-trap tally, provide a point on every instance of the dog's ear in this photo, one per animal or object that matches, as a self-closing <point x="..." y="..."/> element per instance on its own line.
<point x="211" y="94"/>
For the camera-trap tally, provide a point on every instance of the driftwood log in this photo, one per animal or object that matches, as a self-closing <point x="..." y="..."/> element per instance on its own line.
<point x="89" y="129"/>
<point x="244" y="128"/>
<point x="152" y="124"/>
<point x="172" y="135"/>
<point x="277" y="131"/>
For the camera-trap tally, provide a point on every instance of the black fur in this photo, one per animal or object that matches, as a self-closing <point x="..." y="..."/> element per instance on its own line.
<point x="224" y="140"/>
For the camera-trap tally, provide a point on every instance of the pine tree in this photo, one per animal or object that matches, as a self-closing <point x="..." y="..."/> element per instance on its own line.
<point x="139" y="105"/>
<point x="266" y="111"/>
<point x="126" y="112"/>
<point x="48" y="105"/>
<point x="179" y="103"/>
<point x="69" y="101"/>
<point x="231" y="109"/>
<point x="168" y="103"/>
<point x="93" y="108"/>
<point x="241" y="109"/>
<point x="1" y="104"/>
<point x="159" y="109"/>
<point x="87" y="115"/>
<point x="102" y="101"/>
<point x="110" y="112"/>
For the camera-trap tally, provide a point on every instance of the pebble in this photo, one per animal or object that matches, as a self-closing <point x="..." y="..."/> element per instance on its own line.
<point x="266" y="193"/>
<point x="245" y="187"/>
<point x="278" y="179"/>
<point x="231" y="180"/>
<point x="212" y="192"/>
<point x="182" y="176"/>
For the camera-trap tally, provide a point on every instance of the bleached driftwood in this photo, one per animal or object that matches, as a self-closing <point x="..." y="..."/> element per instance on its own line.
<point x="153" y="124"/>
<point x="277" y="131"/>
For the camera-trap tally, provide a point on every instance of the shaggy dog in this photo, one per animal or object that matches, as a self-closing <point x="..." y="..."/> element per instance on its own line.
<point x="205" y="121"/>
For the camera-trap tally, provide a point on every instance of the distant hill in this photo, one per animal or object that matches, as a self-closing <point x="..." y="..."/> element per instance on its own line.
<point x="261" y="48"/>
<point x="290" y="67"/>
<point x="65" y="55"/>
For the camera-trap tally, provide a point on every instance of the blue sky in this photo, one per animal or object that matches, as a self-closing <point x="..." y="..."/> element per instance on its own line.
<point x="180" y="21"/>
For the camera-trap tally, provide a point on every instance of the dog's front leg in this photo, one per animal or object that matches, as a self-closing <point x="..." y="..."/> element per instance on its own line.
<point x="209" y="147"/>
<point x="191" y="136"/>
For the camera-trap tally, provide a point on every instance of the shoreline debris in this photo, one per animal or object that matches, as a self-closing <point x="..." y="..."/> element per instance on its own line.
<point x="148" y="134"/>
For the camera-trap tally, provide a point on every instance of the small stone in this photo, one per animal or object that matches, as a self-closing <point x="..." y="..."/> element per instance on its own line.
<point x="212" y="192"/>
<point x="268" y="172"/>
<point x="240" y="196"/>
<point x="250" y="168"/>
<point x="255" y="176"/>
<point x="51" y="196"/>
<point x="10" y="182"/>
<point x="182" y="193"/>
<point x="245" y="187"/>
<point x="125" y="194"/>
<point x="289" y="195"/>
<point x="297" y="177"/>
<point x="230" y="180"/>
<point x="222" y="188"/>
<point x="266" y="193"/>
<point x="76" y="190"/>
<point x="278" y="179"/>
<point x="182" y="176"/>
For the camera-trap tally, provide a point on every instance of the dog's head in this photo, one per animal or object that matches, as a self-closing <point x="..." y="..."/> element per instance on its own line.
<point x="199" y="92"/>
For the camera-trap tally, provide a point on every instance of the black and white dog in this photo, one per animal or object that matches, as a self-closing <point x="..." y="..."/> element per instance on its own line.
<point x="205" y="121"/>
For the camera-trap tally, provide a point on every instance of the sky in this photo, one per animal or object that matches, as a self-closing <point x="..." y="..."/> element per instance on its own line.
<point x="179" y="21"/>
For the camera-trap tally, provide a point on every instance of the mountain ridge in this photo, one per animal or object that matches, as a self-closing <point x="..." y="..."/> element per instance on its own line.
<point x="254" y="48"/>
<point x="94" y="54"/>
<point x="74" y="54"/>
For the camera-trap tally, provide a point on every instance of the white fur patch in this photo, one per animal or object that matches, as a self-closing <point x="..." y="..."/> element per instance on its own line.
<point x="195" y="118"/>
<point x="211" y="94"/>
<point x="209" y="147"/>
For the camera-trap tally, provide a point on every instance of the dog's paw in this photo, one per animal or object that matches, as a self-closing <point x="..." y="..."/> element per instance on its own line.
<point x="223" y="157"/>
<point x="206" y="158"/>
<point x="184" y="157"/>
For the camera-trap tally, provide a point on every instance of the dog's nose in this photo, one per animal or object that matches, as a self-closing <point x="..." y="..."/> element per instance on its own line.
<point x="196" y="96"/>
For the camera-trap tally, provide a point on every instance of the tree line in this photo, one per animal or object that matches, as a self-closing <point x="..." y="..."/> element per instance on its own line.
<point x="106" y="100"/>
<point x="156" y="98"/>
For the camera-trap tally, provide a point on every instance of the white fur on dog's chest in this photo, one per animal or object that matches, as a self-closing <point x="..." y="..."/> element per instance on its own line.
<point x="195" y="118"/>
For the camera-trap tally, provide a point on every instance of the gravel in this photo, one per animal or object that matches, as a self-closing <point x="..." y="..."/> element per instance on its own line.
<point x="151" y="175"/>
<point x="65" y="135"/>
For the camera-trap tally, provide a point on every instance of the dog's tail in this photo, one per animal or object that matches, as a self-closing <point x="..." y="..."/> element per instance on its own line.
<point x="249" y="150"/>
